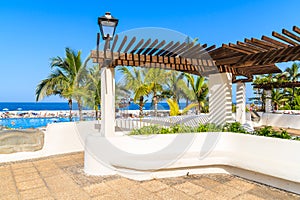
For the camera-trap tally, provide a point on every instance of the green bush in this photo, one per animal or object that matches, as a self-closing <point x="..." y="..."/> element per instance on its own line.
<point x="268" y="131"/>
<point x="209" y="128"/>
<point x="234" y="127"/>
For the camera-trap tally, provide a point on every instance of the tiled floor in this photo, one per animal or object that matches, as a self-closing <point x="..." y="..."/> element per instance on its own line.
<point x="62" y="177"/>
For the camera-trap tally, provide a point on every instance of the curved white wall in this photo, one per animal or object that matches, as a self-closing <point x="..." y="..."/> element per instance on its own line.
<point x="280" y="120"/>
<point x="59" y="138"/>
<point x="277" y="159"/>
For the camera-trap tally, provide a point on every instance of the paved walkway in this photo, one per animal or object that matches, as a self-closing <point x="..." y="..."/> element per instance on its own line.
<point x="62" y="177"/>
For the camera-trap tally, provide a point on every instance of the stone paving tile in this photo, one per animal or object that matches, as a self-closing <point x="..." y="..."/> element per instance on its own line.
<point x="36" y="183"/>
<point x="12" y="196"/>
<point x="35" y="193"/>
<point x="247" y="196"/>
<point x="189" y="188"/>
<point x="62" y="177"/>
<point x="135" y="192"/>
<point x="172" y="181"/>
<point x="227" y="191"/>
<point x="205" y="182"/>
<point x="51" y="172"/>
<point x="21" y="165"/>
<point x="7" y="188"/>
<point x="60" y="183"/>
<point x="207" y="194"/>
<point x="154" y="185"/>
<point x="76" y="194"/>
<point x="97" y="189"/>
<point x="121" y="183"/>
<point x="113" y="195"/>
<point x="240" y="184"/>
<point x="172" y="194"/>
<point x="270" y="193"/>
<point x="26" y="177"/>
<point x="221" y="178"/>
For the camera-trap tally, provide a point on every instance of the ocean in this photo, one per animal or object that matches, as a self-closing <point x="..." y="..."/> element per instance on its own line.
<point x="36" y="106"/>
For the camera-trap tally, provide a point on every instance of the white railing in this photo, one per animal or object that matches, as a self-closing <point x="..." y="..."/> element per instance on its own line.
<point x="134" y="123"/>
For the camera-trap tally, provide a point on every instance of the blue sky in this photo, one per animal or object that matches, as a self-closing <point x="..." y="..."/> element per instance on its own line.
<point x="33" y="31"/>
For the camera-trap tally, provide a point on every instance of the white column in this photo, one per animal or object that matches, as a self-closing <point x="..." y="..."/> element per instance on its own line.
<point x="241" y="102"/>
<point x="107" y="102"/>
<point x="220" y="98"/>
<point x="268" y="101"/>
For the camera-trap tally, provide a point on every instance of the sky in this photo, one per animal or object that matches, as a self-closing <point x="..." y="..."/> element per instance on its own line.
<point x="33" y="31"/>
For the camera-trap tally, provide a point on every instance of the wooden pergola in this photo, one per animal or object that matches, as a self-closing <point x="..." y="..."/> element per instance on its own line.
<point x="269" y="86"/>
<point x="248" y="58"/>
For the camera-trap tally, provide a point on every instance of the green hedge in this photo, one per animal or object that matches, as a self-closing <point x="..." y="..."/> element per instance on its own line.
<point x="235" y="127"/>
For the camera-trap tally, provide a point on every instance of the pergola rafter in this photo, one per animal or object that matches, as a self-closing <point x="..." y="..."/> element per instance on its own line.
<point x="250" y="57"/>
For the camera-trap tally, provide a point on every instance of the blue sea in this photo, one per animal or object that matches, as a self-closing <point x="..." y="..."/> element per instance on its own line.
<point x="36" y="106"/>
<point x="23" y="123"/>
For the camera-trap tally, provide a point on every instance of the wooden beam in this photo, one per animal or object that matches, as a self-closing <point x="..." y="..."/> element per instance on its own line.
<point x="296" y="29"/>
<point x="291" y="35"/>
<point x="122" y="44"/>
<point x="144" y="46"/>
<point x="266" y="48"/>
<point x="281" y="37"/>
<point x="150" y="47"/>
<point x="164" y="48"/>
<point x="162" y="43"/>
<point x="114" y="43"/>
<point x="240" y="49"/>
<point x="281" y="44"/>
<point x="254" y="48"/>
<point x="267" y="44"/>
<point x="137" y="46"/>
<point x="132" y="41"/>
<point x="170" y="48"/>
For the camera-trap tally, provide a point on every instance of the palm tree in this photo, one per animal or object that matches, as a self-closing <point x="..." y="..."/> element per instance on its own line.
<point x="155" y="78"/>
<point x="278" y="98"/>
<point x="175" y="86"/>
<point x="199" y="89"/>
<point x="293" y="74"/>
<point x="93" y="89"/>
<point x="65" y="79"/>
<point x="134" y="81"/>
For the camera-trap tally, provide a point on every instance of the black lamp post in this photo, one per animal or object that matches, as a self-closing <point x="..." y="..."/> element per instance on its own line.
<point x="107" y="24"/>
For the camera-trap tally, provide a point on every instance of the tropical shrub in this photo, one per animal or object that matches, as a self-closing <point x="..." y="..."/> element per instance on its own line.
<point x="234" y="127"/>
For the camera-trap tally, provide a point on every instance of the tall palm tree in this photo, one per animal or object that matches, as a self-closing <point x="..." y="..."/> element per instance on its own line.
<point x="175" y="85"/>
<point x="278" y="98"/>
<point x="93" y="89"/>
<point x="199" y="89"/>
<point x="134" y="81"/>
<point x="155" y="78"/>
<point x="293" y="74"/>
<point x="65" y="79"/>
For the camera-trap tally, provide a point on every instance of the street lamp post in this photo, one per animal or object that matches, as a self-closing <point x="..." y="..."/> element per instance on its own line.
<point x="107" y="24"/>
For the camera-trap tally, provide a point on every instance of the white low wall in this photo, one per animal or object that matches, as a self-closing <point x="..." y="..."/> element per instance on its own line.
<point x="271" y="161"/>
<point x="59" y="138"/>
<point x="279" y="120"/>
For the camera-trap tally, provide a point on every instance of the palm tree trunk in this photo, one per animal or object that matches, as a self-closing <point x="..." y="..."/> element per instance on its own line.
<point x="80" y="109"/>
<point x="96" y="112"/>
<point x="141" y="104"/>
<point x="70" y="103"/>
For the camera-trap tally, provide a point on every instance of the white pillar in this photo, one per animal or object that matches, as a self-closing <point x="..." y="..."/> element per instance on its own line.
<point x="268" y="101"/>
<point x="241" y="102"/>
<point x="107" y="102"/>
<point x="220" y="98"/>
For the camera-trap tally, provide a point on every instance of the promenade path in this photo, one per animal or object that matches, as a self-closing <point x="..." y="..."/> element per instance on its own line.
<point x="62" y="177"/>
